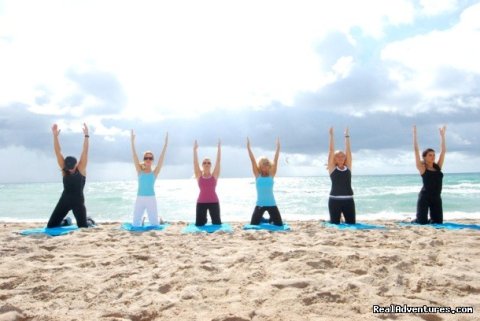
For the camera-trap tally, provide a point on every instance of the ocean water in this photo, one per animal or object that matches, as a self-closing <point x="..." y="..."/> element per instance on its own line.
<point x="298" y="198"/>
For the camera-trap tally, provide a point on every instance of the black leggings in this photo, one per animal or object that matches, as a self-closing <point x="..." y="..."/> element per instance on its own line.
<point x="65" y="204"/>
<point x="436" y="209"/>
<point x="272" y="211"/>
<point x="338" y="206"/>
<point x="213" y="208"/>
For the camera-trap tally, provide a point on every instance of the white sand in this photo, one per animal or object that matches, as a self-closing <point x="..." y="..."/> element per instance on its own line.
<point x="311" y="273"/>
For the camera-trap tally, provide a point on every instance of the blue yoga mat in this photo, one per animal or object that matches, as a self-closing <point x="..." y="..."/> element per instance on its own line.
<point x="445" y="225"/>
<point x="209" y="228"/>
<point x="357" y="226"/>
<point x="129" y="227"/>
<point x="53" y="231"/>
<point x="268" y="227"/>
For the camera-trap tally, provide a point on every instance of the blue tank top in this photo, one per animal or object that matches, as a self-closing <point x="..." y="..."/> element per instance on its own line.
<point x="146" y="182"/>
<point x="264" y="186"/>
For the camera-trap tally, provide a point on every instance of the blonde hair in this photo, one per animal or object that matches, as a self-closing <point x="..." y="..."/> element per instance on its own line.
<point x="263" y="159"/>
<point x="142" y="164"/>
<point x="339" y="152"/>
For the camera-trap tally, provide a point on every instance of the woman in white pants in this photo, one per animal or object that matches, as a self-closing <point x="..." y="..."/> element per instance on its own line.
<point x="146" y="180"/>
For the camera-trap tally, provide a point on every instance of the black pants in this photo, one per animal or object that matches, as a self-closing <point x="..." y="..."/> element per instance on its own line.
<point x="272" y="211"/>
<point x="338" y="206"/>
<point x="434" y="203"/>
<point x="213" y="208"/>
<point x="75" y="203"/>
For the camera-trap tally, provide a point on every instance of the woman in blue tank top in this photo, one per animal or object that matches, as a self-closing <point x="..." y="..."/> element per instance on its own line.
<point x="264" y="172"/>
<point x="146" y="200"/>
<point x="339" y="168"/>
<point x="429" y="197"/>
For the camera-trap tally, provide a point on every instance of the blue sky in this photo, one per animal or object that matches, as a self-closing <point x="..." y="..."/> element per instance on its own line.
<point x="214" y="69"/>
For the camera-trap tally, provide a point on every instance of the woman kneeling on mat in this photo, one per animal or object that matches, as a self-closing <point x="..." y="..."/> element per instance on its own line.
<point x="264" y="172"/>
<point x="146" y="199"/>
<point x="432" y="176"/>
<point x="207" y="182"/>
<point x="341" y="194"/>
<point x="74" y="176"/>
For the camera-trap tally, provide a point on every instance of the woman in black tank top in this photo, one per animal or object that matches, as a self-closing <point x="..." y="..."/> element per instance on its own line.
<point x="429" y="197"/>
<point x="341" y="194"/>
<point x="74" y="176"/>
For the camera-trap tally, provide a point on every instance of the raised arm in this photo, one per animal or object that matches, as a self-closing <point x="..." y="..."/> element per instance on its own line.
<point x="348" y="150"/>
<point x="82" y="163"/>
<point x="255" y="169"/>
<point x="418" y="161"/>
<point x="162" y="157"/>
<point x="136" y="162"/>
<point x="273" y="170"/>
<point x="196" y="167"/>
<point x="56" y="146"/>
<point x="331" y="152"/>
<point x="443" y="146"/>
<point x="216" y="170"/>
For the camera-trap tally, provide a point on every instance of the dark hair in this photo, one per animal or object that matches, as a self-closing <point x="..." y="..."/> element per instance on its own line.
<point x="429" y="150"/>
<point x="70" y="163"/>
<point x="426" y="151"/>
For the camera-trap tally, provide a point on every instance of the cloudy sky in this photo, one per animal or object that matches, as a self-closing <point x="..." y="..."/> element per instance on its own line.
<point x="226" y="70"/>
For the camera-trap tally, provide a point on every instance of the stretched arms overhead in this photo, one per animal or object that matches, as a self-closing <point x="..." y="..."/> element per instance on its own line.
<point x="216" y="170"/>
<point x="443" y="147"/>
<point x="82" y="163"/>
<point x="255" y="168"/>
<point x="348" y="150"/>
<point x="331" y="151"/>
<point x="196" y="167"/>
<point x="162" y="157"/>
<point x="56" y="146"/>
<point x="136" y="162"/>
<point x="273" y="170"/>
<point x="335" y="159"/>
<point x="418" y="161"/>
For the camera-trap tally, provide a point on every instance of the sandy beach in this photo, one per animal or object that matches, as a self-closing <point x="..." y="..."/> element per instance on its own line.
<point x="310" y="273"/>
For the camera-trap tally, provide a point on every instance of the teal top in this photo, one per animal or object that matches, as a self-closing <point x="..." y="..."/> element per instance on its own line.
<point x="264" y="186"/>
<point x="146" y="182"/>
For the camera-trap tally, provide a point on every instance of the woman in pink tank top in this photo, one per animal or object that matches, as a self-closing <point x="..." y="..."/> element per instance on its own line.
<point x="207" y="182"/>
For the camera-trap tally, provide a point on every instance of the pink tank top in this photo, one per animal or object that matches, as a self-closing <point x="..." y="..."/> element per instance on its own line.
<point x="207" y="190"/>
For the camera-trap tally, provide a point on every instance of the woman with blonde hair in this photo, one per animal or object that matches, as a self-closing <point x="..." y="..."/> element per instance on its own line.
<point x="147" y="175"/>
<point x="432" y="177"/>
<point x="340" y="170"/>
<point x="264" y="171"/>
<point x="207" y="182"/>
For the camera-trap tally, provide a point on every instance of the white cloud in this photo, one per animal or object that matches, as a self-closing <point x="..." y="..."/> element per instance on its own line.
<point x="418" y="62"/>
<point x="181" y="55"/>
<point x="343" y="66"/>
<point x="436" y="7"/>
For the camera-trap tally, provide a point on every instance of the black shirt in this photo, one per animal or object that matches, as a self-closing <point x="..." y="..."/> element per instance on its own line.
<point x="341" y="182"/>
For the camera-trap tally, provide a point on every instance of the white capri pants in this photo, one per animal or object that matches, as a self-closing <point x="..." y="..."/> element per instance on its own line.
<point x="143" y="203"/>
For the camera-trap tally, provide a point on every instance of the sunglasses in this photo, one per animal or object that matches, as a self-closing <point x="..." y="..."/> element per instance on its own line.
<point x="148" y="158"/>
<point x="206" y="163"/>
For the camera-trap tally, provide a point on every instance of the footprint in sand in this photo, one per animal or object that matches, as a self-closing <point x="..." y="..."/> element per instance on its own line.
<point x="321" y="265"/>
<point x="11" y="284"/>
<point x="165" y="288"/>
<point x="41" y="258"/>
<point x="10" y="312"/>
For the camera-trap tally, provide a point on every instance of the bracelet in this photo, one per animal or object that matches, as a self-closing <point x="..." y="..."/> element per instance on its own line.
<point x="87" y="136"/>
<point x="347" y="136"/>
